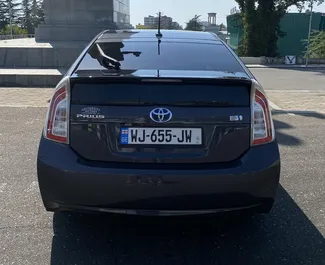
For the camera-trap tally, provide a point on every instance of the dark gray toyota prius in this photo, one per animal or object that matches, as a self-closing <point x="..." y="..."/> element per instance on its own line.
<point x="158" y="124"/>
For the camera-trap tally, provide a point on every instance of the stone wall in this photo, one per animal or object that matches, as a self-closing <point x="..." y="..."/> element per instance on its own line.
<point x="78" y="11"/>
<point x="81" y="20"/>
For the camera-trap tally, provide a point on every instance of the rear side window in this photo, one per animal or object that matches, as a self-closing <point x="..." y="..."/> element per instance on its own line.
<point x="169" y="55"/>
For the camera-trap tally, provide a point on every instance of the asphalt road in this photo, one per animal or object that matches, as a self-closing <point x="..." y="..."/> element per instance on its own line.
<point x="293" y="233"/>
<point x="288" y="79"/>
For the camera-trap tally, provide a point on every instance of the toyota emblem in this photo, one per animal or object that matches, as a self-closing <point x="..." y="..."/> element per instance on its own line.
<point x="161" y="115"/>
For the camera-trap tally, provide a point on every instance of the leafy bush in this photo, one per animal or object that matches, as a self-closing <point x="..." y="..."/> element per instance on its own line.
<point x="16" y="30"/>
<point x="316" y="47"/>
<point x="194" y="24"/>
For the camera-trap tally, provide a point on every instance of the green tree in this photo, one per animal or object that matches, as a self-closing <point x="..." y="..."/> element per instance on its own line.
<point x="3" y="18"/>
<point x="311" y="3"/>
<point x="25" y="16"/>
<point x="37" y="14"/>
<point x="222" y="26"/>
<point x="40" y="11"/>
<point x="175" y="25"/>
<point x="16" y="30"/>
<point x="261" y="23"/>
<point x="32" y="14"/>
<point x="9" y="9"/>
<point x="249" y="45"/>
<point x="194" y="24"/>
<point x="316" y="47"/>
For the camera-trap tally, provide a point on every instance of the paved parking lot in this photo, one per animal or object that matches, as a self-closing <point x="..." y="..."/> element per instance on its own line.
<point x="294" y="90"/>
<point x="292" y="234"/>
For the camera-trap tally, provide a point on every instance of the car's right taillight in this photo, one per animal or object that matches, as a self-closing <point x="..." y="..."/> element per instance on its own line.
<point x="262" y="122"/>
<point x="57" y="119"/>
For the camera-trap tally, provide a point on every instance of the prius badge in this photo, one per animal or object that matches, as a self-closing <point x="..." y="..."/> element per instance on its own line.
<point x="161" y="115"/>
<point x="90" y="113"/>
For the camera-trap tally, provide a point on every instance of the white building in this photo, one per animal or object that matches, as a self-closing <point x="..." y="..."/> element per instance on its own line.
<point x="149" y="21"/>
<point x="152" y="21"/>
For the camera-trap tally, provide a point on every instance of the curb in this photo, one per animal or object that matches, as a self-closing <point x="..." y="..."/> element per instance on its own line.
<point x="312" y="66"/>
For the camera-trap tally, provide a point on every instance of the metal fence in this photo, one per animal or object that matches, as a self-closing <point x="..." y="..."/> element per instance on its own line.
<point x="20" y="36"/>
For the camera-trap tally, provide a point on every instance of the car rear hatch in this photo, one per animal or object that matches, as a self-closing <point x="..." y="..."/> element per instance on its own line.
<point x="176" y="121"/>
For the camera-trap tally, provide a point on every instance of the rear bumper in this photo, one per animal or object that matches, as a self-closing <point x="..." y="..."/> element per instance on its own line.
<point x="66" y="183"/>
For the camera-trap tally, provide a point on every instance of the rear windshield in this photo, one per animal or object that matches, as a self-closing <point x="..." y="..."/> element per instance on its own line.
<point x="169" y="55"/>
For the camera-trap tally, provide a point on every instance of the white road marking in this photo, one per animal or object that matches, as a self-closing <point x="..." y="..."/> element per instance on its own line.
<point x="306" y="111"/>
<point x="23" y="106"/>
<point x="274" y="106"/>
<point x="2" y="187"/>
<point x="287" y="91"/>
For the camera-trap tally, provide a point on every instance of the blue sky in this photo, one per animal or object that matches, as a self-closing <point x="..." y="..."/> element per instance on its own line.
<point x="182" y="10"/>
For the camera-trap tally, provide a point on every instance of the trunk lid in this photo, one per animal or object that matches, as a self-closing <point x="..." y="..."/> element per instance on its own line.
<point x="199" y="120"/>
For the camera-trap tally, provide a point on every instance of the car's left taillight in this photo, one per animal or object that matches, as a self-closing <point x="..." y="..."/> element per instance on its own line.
<point x="57" y="119"/>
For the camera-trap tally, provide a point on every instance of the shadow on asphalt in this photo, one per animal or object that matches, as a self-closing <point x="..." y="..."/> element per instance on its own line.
<point x="284" y="130"/>
<point x="283" y="134"/>
<point x="285" y="236"/>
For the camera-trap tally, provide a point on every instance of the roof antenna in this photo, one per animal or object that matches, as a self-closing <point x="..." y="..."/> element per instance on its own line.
<point x="159" y="35"/>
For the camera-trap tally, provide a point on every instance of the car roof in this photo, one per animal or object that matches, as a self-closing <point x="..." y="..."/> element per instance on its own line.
<point x="150" y="35"/>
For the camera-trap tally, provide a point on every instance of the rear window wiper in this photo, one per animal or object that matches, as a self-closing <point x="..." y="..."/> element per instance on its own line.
<point x="107" y="61"/>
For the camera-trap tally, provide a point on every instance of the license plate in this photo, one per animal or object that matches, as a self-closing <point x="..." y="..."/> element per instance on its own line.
<point x="161" y="136"/>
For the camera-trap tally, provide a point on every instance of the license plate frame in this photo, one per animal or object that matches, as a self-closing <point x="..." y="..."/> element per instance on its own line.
<point x="198" y="131"/>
